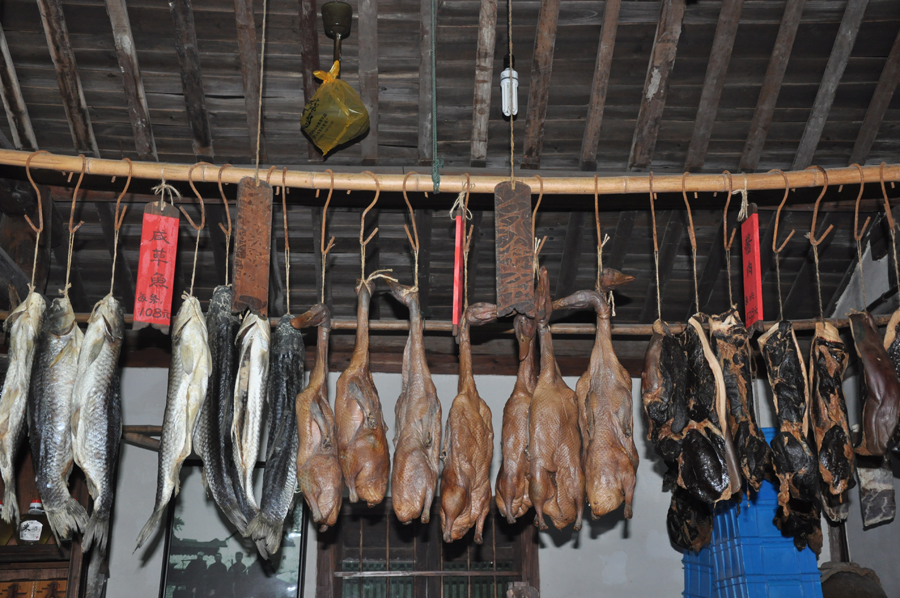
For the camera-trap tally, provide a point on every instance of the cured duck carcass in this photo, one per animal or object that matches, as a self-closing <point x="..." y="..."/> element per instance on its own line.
<point x="318" y="467"/>
<point x="512" y="479"/>
<point x="468" y="443"/>
<point x="730" y="342"/>
<point x="605" y="409"/>
<point x="556" y="486"/>
<point x="417" y="438"/>
<point x="880" y="388"/>
<point x="361" y="431"/>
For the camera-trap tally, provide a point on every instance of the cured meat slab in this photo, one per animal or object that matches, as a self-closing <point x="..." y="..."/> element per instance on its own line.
<point x="879" y="389"/>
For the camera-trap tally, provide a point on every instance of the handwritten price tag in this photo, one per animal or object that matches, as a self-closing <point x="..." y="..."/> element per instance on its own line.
<point x="156" y="267"/>
<point x="753" y="305"/>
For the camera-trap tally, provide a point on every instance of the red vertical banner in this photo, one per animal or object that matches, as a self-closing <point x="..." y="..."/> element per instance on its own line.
<point x="156" y="267"/>
<point x="753" y="305"/>
<point x="457" y="268"/>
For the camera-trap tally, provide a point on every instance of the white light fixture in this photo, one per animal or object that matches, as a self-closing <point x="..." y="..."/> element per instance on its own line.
<point x="509" y="87"/>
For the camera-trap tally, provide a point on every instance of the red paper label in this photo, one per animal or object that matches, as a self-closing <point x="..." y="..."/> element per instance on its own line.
<point x="753" y="305"/>
<point x="457" y="270"/>
<point x="156" y="270"/>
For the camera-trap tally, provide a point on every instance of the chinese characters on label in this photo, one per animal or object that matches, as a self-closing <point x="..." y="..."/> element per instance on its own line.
<point x="156" y="269"/>
<point x="753" y="307"/>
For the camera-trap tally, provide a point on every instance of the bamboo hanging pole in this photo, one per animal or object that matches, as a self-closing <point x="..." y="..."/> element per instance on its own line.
<point x="479" y="184"/>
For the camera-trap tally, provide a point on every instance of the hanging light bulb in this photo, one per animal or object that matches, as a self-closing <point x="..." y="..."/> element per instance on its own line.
<point x="509" y="86"/>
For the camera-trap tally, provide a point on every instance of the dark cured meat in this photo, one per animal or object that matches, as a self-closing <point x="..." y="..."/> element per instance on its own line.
<point x="689" y="521"/>
<point x="828" y="360"/>
<point x="794" y="462"/>
<point x="730" y="342"/>
<point x="707" y="465"/>
<point x="801" y="520"/>
<point x="892" y="341"/>
<point x="663" y="386"/>
<point x="879" y="389"/>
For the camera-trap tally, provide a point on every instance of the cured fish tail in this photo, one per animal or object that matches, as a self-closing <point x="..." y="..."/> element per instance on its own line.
<point x="96" y="533"/>
<point x="10" y="502"/>
<point x="97" y="575"/>
<point x="71" y="518"/>
<point x="150" y="526"/>
<point x="266" y="531"/>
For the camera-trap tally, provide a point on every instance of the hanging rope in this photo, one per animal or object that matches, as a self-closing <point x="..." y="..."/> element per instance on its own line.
<point x="72" y="229"/>
<point x="891" y="224"/>
<point x="287" y="244"/>
<point x="191" y="222"/>
<point x="776" y="249"/>
<point x="436" y="161"/>
<point x="858" y="234"/>
<point x="744" y="212"/>
<point x="323" y="249"/>
<point x="165" y="188"/>
<point x="414" y="237"/>
<point x="693" y="238"/>
<point x="726" y="240"/>
<point x="40" y="213"/>
<point x="262" y="70"/>
<point x="117" y="224"/>
<point x="538" y="245"/>
<point x="225" y="231"/>
<point x="816" y="241"/>
<point x="655" y="247"/>
<point x="512" y="138"/>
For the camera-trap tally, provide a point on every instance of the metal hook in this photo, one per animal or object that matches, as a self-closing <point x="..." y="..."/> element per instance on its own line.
<point x="887" y="203"/>
<point x="227" y="231"/>
<point x="812" y="229"/>
<point x="858" y="234"/>
<point x="726" y="240"/>
<point x="200" y="199"/>
<point x="412" y="216"/>
<point x="323" y="249"/>
<point x="653" y="215"/>
<point x="362" y="221"/>
<point x="118" y="218"/>
<point x="40" y="228"/>
<point x="687" y="204"/>
<point x="775" y="247"/>
<point x="75" y="194"/>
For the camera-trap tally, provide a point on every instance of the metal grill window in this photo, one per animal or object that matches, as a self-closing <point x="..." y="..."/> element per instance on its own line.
<point x="374" y="556"/>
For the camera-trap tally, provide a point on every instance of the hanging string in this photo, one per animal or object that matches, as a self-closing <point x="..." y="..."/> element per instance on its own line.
<point x="655" y="247"/>
<point x="262" y="70"/>
<point x="776" y="249"/>
<point x="414" y="237"/>
<point x="191" y="222"/>
<point x="858" y="234"/>
<point x="891" y="224"/>
<point x="538" y="245"/>
<point x="744" y="212"/>
<point x="610" y="298"/>
<point x="323" y="249"/>
<point x="164" y="188"/>
<point x="512" y="138"/>
<point x="693" y="238"/>
<point x="117" y="225"/>
<point x="816" y="241"/>
<point x="436" y="161"/>
<point x="40" y="213"/>
<point x="461" y="205"/>
<point x="225" y="231"/>
<point x="72" y="229"/>
<point x="287" y="244"/>
<point x="726" y="240"/>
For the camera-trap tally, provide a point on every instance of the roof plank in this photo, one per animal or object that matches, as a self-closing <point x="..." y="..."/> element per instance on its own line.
<point x="191" y="79"/>
<point x="599" y="85"/>
<point x="484" y="71"/>
<point x="881" y="99"/>
<point x="834" y="71"/>
<point x="656" y="84"/>
<point x="539" y="90"/>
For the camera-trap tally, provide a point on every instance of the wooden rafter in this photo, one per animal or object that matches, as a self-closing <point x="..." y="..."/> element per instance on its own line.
<point x="191" y="79"/>
<point x="881" y="99"/>
<point x="249" y="56"/>
<point x="716" y="69"/>
<point x="13" y="102"/>
<point x="309" y="60"/>
<point x="668" y="250"/>
<point x="571" y="256"/>
<point x="484" y="71"/>
<point x="368" y="76"/>
<point x="656" y="85"/>
<point x="539" y="90"/>
<point x="834" y="71"/>
<point x="67" y="76"/>
<point x="132" y="83"/>
<point x="768" y="95"/>
<point x="124" y="278"/>
<point x="425" y="77"/>
<point x="599" y="85"/>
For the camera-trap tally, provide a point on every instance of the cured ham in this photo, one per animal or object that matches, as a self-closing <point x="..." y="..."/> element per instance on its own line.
<point x="880" y="388"/>
<point x="605" y="409"/>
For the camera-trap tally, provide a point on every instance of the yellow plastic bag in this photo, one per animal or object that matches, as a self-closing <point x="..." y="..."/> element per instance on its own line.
<point x="336" y="114"/>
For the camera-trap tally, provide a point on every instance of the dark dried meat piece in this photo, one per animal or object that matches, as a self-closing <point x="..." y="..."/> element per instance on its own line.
<point x="662" y="390"/>
<point x="877" y="502"/>
<point x="879" y="389"/>
<point x="800" y="520"/>
<point x="689" y="521"/>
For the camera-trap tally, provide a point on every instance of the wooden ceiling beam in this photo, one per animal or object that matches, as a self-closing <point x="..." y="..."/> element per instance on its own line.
<point x="309" y="61"/>
<point x="248" y="53"/>
<point x="881" y="99"/>
<point x="656" y="84"/>
<point x="571" y="255"/>
<point x="13" y="102"/>
<point x="368" y="76"/>
<point x="768" y="95"/>
<point x="599" y="85"/>
<point x="834" y="71"/>
<point x="425" y="83"/>
<point x="716" y="70"/>
<point x="191" y="78"/>
<point x="124" y="277"/>
<point x="668" y="251"/>
<point x="539" y="90"/>
<point x="70" y="89"/>
<point x="484" y="72"/>
<point x="133" y="85"/>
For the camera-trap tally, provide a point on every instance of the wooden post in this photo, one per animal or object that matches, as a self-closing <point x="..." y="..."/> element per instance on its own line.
<point x="514" y="249"/>
<point x="425" y="75"/>
<point x="252" y="246"/>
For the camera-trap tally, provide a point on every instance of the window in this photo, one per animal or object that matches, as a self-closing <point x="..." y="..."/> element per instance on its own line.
<point x="369" y="554"/>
